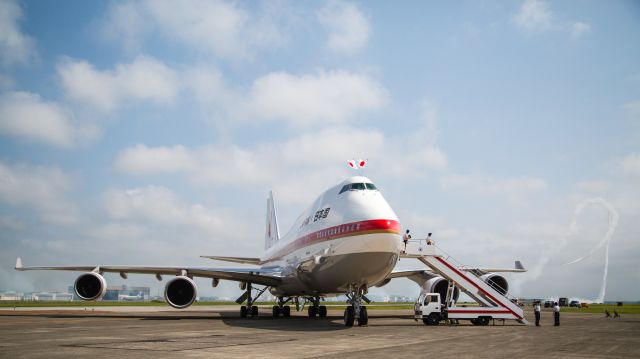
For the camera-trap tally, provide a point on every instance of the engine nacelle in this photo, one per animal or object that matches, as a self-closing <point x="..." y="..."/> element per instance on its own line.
<point x="440" y="285"/>
<point x="497" y="282"/>
<point x="90" y="286"/>
<point x="180" y="292"/>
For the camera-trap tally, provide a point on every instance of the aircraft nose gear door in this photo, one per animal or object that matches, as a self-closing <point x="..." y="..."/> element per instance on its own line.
<point x="356" y="311"/>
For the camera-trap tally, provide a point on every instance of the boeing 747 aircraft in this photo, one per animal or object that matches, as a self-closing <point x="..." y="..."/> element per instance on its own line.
<point x="347" y="241"/>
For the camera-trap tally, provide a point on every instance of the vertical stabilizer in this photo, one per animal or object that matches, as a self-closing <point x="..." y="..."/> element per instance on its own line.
<point x="272" y="232"/>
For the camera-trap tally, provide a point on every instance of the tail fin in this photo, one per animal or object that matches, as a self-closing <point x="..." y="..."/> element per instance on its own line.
<point x="272" y="233"/>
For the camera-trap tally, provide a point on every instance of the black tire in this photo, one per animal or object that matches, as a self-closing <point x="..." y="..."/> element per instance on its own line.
<point x="243" y="312"/>
<point x="312" y="311"/>
<point x="484" y="320"/>
<point x="474" y="321"/>
<point x="432" y="319"/>
<point x="349" y="316"/>
<point x="286" y="311"/>
<point x="254" y="311"/>
<point x="322" y="311"/>
<point x="364" y="317"/>
<point x="276" y="311"/>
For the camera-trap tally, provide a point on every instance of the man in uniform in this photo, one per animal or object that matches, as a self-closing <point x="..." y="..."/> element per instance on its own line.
<point x="556" y="314"/>
<point x="406" y="239"/>
<point x="536" y="312"/>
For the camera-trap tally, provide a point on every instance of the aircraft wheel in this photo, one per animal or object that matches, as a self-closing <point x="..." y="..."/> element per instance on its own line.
<point x="286" y="311"/>
<point x="276" y="311"/>
<point x="312" y="311"/>
<point x="364" y="317"/>
<point x="254" y="311"/>
<point x="322" y="311"/>
<point x="432" y="319"/>
<point x="484" y="320"/>
<point x="349" y="316"/>
<point x="243" y="312"/>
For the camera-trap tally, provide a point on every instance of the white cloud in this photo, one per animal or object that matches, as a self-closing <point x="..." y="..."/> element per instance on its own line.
<point x="144" y="79"/>
<point x="218" y="27"/>
<point x="630" y="164"/>
<point x="536" y="16"/>
<point x="43" y="189"/>
<point x="327" y="97"/>
<point x="533" y="15"/>
<point x="293" y="166"/>
<point x="27" y="115"/>
<point x="347" y="26"/>
<point x="579" y="28"/>
<point x="160" y="206"/>
<point x="142" y="159"/>
<point x="15" y="46"/>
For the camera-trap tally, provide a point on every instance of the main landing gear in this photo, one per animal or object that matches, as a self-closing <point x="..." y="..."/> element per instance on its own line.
<point x="281" y="308"/>
<point x="356" y="311"/>
<point x="249" y="310"/>
<point x="315" y="309"/>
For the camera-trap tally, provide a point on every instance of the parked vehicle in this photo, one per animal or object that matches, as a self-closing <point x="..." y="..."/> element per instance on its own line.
<point x="563" y="302"/>
<point x="548" y="304"/>
<point x="574" y="303"/>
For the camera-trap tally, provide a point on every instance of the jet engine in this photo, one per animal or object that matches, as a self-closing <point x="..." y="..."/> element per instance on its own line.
<point x="497" y="282"/>
<point x="440" y="285"/>
<point x="180" y="292"/>
<point x="90" y="286"/>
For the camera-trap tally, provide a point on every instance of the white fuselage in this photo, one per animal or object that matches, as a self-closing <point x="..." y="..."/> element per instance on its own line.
<point x="346" y="239"/>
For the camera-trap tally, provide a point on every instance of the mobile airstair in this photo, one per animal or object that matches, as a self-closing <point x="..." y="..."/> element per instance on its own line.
<point x="492" y="303"/>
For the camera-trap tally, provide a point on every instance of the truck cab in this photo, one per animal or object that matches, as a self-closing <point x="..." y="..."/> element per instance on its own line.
<point x="428" y="308"/>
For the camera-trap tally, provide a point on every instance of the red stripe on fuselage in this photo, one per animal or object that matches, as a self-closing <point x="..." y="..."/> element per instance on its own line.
<point x="343" y="230"/>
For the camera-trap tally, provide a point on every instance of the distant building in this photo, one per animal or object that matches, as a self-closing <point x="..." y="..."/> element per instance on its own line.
<point x="123" y="293"/>
<point x="11" y="296"/>
<point x="51" y="296"/>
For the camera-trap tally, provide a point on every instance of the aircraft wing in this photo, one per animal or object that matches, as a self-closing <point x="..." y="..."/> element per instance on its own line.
<point x="261" y="276"/>
<point x="245" y="260"/>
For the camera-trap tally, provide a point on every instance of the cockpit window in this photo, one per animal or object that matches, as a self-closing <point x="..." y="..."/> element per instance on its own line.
<point x="358" y="187"/>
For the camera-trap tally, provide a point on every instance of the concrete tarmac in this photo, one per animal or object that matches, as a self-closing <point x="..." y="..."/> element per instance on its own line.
<point x="219" y="332"/>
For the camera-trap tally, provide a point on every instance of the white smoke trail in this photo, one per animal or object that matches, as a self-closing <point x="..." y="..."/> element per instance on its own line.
<point x="606" y="240"/>
<point x="556" y="246"/>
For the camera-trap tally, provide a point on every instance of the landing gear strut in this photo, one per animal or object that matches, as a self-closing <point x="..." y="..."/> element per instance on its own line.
<point x="356" y="311"/>
<point x="249" y="310"/>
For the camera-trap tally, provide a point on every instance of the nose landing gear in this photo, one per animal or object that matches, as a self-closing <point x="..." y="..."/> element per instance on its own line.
<point x="356" y="311"/>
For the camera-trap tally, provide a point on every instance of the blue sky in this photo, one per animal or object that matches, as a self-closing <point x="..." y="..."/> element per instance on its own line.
<point x="150" y="132"/>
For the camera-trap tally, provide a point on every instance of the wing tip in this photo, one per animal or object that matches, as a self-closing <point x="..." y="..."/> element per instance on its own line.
<point x="519" y="265"/>
<point x="18" y="263"/>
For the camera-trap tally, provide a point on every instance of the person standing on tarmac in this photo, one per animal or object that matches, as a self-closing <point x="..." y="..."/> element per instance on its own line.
<point x="406" y="239"/>
<point x="556" y="314"/>
<point x="536" y="312"/>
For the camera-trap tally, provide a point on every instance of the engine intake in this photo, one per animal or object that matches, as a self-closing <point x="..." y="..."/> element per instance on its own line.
<point x="440" y="285"/>
<point x="497" y="282"/>
<point x="90" y="286"/>
<point x="180" y="292"/>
